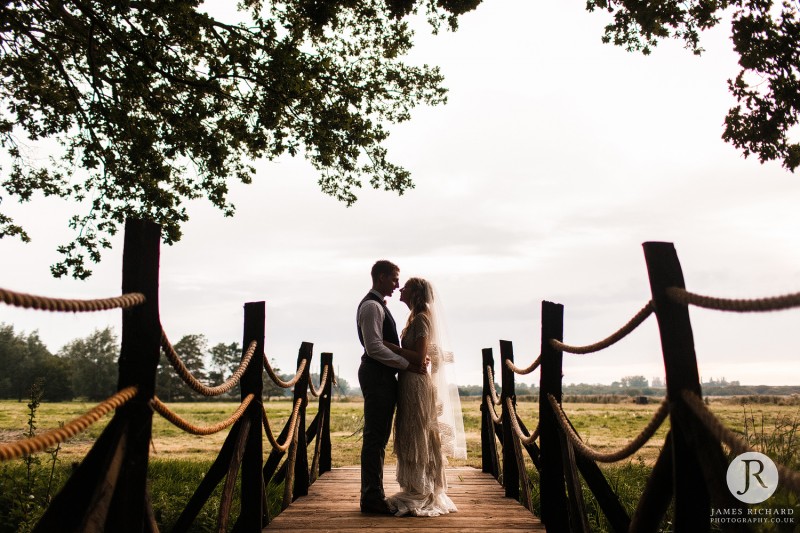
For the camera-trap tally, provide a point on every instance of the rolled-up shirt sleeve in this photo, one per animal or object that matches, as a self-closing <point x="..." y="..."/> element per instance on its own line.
<point x="370" y="321"/>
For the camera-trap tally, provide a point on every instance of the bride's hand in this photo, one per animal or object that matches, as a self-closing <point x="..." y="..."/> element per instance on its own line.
<point x="393" y="347"/>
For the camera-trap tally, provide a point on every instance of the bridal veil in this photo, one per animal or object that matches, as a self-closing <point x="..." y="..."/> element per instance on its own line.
<point x="443" y="375"/>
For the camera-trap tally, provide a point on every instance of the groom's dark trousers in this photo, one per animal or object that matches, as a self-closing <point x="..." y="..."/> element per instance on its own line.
<point x="379" y="387"/>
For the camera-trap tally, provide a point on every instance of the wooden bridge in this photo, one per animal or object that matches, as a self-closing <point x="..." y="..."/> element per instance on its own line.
<point x="109" y="490"/>
<point x="332" y="504"/>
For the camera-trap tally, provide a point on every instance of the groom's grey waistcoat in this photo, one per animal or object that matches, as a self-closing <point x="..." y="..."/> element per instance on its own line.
<point x="389" y="328"/>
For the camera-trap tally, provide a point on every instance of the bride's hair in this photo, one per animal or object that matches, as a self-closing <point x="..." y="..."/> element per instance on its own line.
<point x="419" y="299"/>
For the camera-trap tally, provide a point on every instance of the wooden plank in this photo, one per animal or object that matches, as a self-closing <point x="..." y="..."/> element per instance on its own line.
<point x="392" y="528"/>
<point x="332" y="504"/>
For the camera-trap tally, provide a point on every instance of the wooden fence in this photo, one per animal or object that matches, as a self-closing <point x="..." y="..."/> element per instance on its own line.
<point x="690" y="472"/>
<point x="108" y="491"/>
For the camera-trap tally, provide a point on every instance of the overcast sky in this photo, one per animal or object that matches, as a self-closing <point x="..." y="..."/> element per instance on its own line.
<point x="555" y="158"/>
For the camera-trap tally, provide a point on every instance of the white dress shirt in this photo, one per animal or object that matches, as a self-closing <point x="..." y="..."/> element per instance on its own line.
<point x="370" y="321"/>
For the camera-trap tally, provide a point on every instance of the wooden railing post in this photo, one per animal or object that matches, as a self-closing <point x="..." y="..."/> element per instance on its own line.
<point x="109" y="489"/>
<point x="488" y="442"/>
<point x="252" y="516"/>
<point x="326" y="359"/>
<point x="510" y="469"/>
<point x="698" y="462"/>
<point x="554" y="505"/>
<point x="138" y="364"/>
<point x="301" y="472"/>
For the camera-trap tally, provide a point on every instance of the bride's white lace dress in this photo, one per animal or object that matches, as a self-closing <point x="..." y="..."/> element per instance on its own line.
<point x="418" y="438"/>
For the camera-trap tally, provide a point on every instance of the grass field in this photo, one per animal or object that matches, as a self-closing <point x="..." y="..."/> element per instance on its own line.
<point x="179" y="460"/>
<point x="602" y="426"/>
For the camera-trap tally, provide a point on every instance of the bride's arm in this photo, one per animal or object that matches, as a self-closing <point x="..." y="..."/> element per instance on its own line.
<point x="417" y="356"/>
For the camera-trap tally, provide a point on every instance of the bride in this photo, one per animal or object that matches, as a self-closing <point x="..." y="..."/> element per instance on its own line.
<point x="428" y="425"/>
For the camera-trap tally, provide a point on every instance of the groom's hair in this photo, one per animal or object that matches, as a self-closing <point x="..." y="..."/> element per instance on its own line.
<point x="383" y="267"/>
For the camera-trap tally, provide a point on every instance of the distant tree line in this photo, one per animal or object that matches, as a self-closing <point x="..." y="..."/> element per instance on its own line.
<point x="639" y="386"/>
<point x="86" y="368"/>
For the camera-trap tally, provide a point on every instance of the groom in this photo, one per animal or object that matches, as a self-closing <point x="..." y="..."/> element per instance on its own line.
<point x="377" y="378"/>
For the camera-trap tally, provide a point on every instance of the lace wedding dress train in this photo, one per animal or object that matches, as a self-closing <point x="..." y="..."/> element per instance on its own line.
<point x="418" y="440"/>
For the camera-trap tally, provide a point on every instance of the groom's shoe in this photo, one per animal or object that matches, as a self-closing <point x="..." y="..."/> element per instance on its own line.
<point x="376" y="507"/>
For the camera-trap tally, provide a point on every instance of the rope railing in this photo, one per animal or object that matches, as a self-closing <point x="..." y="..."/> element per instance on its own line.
<point x="611" y="457"/>
<point x="292" y="424"/>
<point x="775" y="303"/>
<point x="490" y="405"/>
<point x="181" y="423"/>
<point x="523" y="371"/>
<point x="789" y="478"/>
<point x="315" y="392"/>
<point x="535" y="432"/>
<point x="693" y="496"/>
<point x="38" y="443"/>
<point x="495" y="398"/>
<point x="615" y="337"/>
<point x="44" y="303"/>
<point x="524" y="439"/>
<point x="187" y="377"/>
<point x="278" y="381"/>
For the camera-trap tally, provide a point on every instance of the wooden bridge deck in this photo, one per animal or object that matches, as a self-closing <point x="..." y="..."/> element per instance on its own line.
<point x="332" y="504"/>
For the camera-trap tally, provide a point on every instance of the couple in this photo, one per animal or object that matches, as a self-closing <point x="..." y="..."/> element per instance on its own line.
<point x="428" y="425"/>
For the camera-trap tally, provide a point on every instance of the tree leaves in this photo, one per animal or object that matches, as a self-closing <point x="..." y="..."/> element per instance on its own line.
<point x="767" y="39"/>
<point x="155" y="103"/>
<point x="768" y="85"/>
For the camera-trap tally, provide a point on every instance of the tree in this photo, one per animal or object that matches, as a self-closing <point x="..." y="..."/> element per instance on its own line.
<point x="160" y="102"/>
<point x="24" y="359"/>
<point x="93" y="362"/>
<point x="12" y="352"/>
<point x="634" y="382"/>
<point x="270" y="387"/>
<point x="225" y="359"/>
<point x="342" y="386"/>
<point x="169" y="386"/>
<point x="767" y="39"/>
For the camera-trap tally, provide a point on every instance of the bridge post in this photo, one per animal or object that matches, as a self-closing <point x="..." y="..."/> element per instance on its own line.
<point x="510" y="469"/>
<point x="698" y="461"/>
<point x="252" y="516"/>
<point x="488" y="442"/>
<point x="140" y="352"/>
<point x="109" y="489"/>
<point x="301" y="473"/>
<point x="324" y="435"/>
<point x="552" y="495"/>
